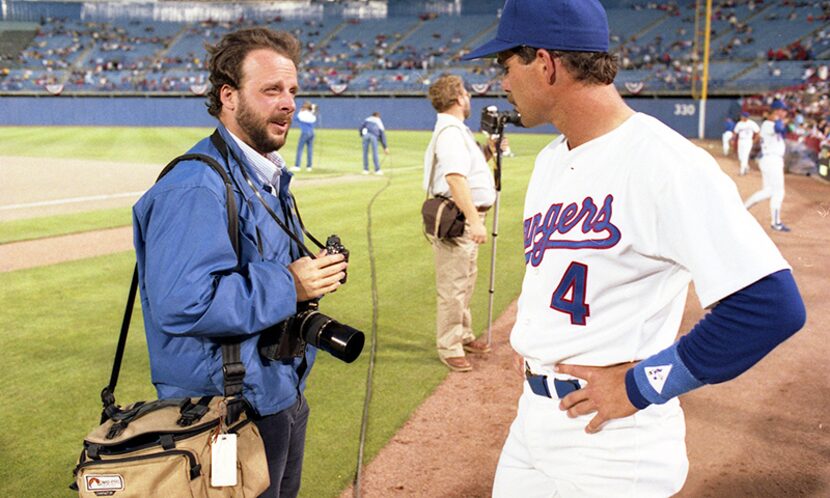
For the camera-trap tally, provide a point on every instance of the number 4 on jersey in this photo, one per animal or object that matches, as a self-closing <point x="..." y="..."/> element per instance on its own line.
<point x="573" y="284"/>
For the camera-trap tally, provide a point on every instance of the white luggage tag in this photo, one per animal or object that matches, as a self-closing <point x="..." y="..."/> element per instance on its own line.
<point x="223" y="461"/>
<point x="222" y="454"/>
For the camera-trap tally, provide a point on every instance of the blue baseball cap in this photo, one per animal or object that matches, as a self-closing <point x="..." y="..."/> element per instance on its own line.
<point x="744" y="114"/>
<point x="778" y="104"/>
<point x="568" y="25"/>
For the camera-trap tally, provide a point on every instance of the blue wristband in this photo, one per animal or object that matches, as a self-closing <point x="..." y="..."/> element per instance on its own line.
<point x="663" y="376"/>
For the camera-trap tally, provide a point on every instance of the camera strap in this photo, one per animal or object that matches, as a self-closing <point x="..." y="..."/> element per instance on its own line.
<point x="225" y="151"/>
<point x="233" y="370"/>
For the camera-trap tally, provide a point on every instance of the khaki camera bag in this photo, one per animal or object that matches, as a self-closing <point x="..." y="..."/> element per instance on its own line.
<point x="163" y="447"/>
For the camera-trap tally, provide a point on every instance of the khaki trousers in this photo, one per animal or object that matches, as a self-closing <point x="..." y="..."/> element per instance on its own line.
<point x="455" y="279"/>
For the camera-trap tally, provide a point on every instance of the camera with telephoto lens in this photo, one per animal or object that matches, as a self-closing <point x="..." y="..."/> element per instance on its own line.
<point x="287" y="339"/>
<point x="493" y="120"/>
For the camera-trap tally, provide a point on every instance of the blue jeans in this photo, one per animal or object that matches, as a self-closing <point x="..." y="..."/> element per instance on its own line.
<point x="369" y="139"/>
<point x="307" y="141"/>
<point x="283" y="435"/>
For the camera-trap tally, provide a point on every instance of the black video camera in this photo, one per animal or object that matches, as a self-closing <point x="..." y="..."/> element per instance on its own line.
<point x="493" y="120"/>
<point x="287" y="339"/>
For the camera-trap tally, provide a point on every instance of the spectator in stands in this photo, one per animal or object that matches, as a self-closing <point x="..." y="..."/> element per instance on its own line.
<point x="307" y="118"/>
<point x="372" y="131"/>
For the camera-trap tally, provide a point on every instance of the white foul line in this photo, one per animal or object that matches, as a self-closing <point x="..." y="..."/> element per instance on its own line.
<point x="58" y="202"/>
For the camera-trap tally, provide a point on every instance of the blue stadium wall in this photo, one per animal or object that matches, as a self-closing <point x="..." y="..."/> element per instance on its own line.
<point x="335" y="112"/>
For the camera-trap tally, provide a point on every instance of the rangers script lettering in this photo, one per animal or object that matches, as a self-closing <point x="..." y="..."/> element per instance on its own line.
<point x="559" y="220"/>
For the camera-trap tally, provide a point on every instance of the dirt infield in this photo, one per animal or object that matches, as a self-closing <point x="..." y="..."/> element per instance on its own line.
<point x="764" y="434"/>
<point x="72" y="185"/>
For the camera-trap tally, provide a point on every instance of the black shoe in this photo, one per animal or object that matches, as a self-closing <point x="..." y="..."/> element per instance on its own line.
<point x="780" y="227"/>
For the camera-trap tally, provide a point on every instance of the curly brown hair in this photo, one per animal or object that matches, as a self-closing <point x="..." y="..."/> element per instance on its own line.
<point x="227" y="56"/>
<point x="444" y="92"/>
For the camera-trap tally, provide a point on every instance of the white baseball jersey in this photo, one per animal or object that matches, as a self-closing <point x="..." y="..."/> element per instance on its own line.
<point x="772" y="143"/>
<point x="453" y="149"/>
<point x="614" y="230"/>
<point x="745" y="130"/>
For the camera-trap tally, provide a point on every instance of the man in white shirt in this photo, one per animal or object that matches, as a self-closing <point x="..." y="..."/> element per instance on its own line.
<point x="747" y="132"/>
<point x="771" y="164"/>
<point x="455" y="167"/>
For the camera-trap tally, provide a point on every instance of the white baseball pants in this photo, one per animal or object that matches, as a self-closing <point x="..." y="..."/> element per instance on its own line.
<point x="744" y="148"/>
<point x="727" y="138"/>
<point x="549" y="455"/>
<point x="772" y="177"/>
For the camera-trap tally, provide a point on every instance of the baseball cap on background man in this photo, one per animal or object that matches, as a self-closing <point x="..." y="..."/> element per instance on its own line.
<point x="568" y="25"/>
<point x="778" y="104"/>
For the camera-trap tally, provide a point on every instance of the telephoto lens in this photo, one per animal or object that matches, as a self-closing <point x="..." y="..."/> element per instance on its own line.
<point x="341" y="341"/>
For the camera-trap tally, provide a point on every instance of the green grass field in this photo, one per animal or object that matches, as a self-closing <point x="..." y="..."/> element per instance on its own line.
<point x="60" y="323"/>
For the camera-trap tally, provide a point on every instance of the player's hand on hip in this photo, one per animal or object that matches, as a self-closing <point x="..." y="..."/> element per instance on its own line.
<point x="314" y="278"/>
<point x="478" y="232"/>
<point x="604" y="394"/>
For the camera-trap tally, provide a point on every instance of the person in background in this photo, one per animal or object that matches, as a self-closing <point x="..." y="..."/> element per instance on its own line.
<point x="307" y="117"/>
<point x="728" y="125"/>
<point x="455" y="167"/>
<point x="372" y="131"/>
<point x="771" y="164"/>
<point x="747" y="132"/>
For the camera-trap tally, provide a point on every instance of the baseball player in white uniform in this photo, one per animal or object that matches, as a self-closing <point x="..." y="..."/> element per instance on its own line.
<point x="771" y="165"/>
<point x="747" y="131"/>
<point x="621" y="213"/>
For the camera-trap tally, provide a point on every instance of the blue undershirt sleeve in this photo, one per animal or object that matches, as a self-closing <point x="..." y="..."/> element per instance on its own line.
<point x="780" y="128"/>
<point x="739" y="331"/>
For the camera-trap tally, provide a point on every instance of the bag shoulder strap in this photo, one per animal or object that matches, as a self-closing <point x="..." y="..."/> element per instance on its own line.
<point x="435" y="155"/>
<point x="233" y="370"/>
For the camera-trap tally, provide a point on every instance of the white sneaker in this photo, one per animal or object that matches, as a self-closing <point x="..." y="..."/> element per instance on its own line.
<point x="364" y="172"/>
<point x="295" y="168"/>
<point x="379" y="172"/>
<point x="308" y="169"/>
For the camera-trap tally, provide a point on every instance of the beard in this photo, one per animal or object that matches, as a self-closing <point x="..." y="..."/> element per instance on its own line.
<point x="256" y="127"/>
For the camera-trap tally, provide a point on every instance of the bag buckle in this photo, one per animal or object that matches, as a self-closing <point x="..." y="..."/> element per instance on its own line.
<point x="234" y="371"/>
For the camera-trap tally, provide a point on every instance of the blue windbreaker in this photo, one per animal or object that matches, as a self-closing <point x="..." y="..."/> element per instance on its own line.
<point x="193" y="293"/>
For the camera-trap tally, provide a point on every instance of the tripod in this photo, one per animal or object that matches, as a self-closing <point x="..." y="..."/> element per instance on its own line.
<point x="497" y="178"/>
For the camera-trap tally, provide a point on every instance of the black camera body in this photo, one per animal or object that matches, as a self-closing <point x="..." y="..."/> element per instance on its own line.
<point x="333" y="246"/>
<point x="493" y="120"/>
<point x="287" y="340"/>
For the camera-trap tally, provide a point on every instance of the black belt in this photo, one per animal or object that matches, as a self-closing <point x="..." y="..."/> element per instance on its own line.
<point x="539" y="384"/>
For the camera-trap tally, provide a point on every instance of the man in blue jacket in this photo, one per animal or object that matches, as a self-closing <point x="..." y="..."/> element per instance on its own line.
<point x="372" y="131"/>
<point x="195" y="289"/>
